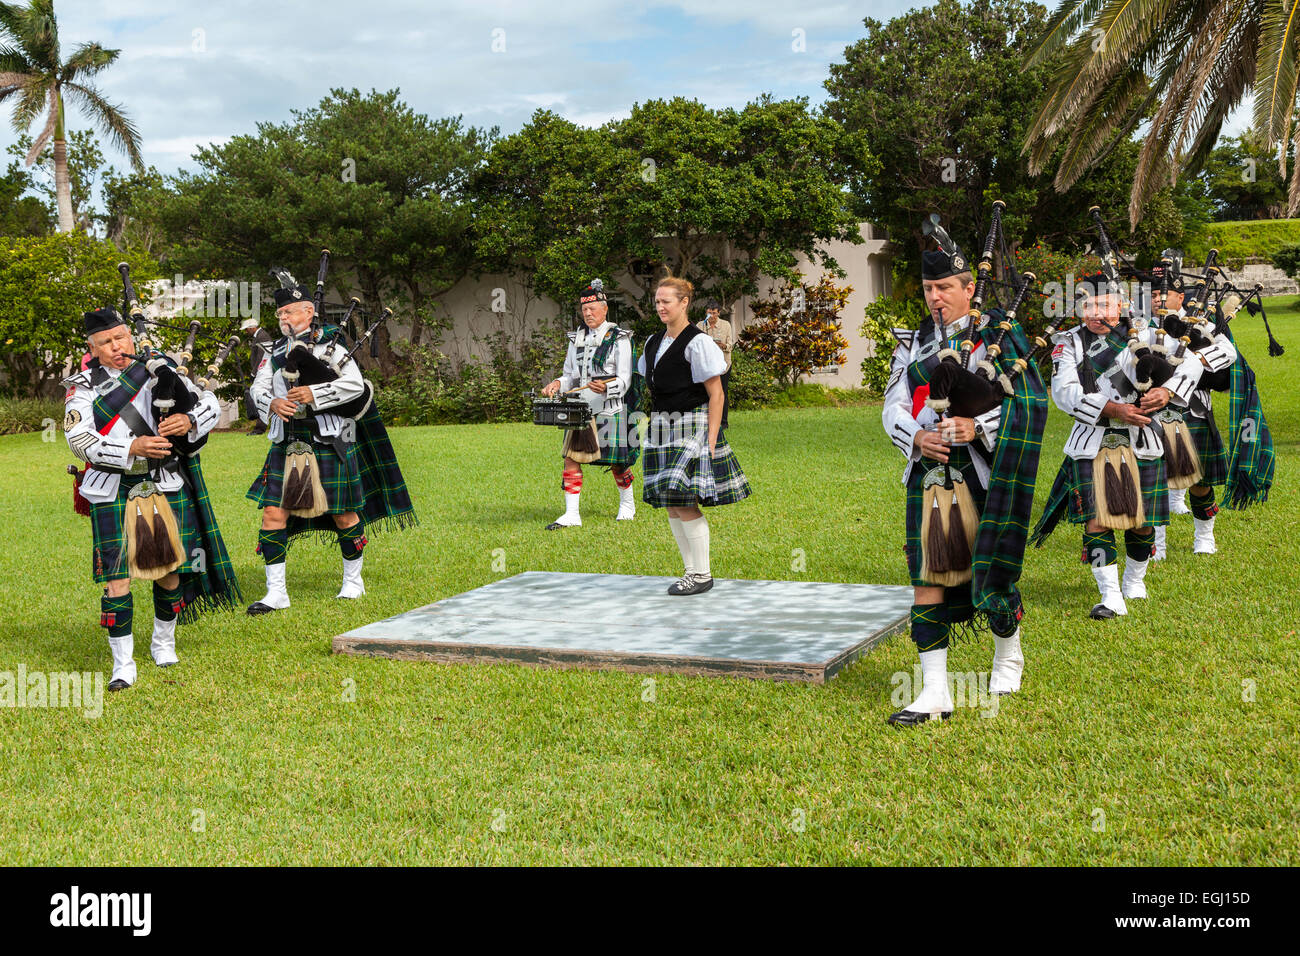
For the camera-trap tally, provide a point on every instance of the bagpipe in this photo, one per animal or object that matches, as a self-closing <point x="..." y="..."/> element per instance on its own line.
<point x="301" y="364"/>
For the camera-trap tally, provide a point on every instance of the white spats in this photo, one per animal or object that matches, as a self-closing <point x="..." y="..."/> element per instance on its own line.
<point x="277" y="595"/>
<point x="697" y="534"/>
<point x="935" y="697"/>
<point x="353" y="586"/>
<point x="1135" y="572"/>
<point x="1161" y="544"/>
<point x="1008" y="664"/>
<point x="1108" y="584"/>
<point x="163" y="645"/>
<point x="571" y="517"/>
<point x="123" y="658"/>
<point x="683" y="545"/>
<point x="1203" y="539"/>
<point x="1178" y="502"/>
<point x="626" y="504"/>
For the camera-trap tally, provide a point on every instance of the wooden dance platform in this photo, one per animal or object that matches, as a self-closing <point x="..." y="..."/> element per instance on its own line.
<point x="776" y="630"/>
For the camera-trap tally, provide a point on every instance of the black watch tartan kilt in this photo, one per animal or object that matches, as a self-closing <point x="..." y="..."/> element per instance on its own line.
<point x="108" y="557"/>
<point x="340" y="475"/>
<point x="1082" y="497"/>
<point x="1209" y="446"/>
<point x="676" y="466"/>
<point x="959" y="460"/>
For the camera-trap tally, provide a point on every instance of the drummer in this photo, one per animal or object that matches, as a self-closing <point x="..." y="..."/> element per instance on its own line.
<point x="598" y="370"/>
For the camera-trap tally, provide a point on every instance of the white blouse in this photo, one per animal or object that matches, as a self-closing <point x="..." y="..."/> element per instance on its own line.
<point x="703" y="354"/>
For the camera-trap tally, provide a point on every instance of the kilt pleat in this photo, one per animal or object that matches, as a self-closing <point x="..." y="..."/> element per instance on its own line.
<point x="677" y="468"/>
<point x="1209" y="446"/>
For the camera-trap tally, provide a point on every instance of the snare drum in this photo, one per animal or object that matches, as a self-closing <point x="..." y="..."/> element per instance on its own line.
<point x="562" y="412"/>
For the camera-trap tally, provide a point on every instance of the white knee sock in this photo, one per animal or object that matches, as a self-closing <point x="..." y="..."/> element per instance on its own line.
<point x="697" y="533"/>
<point x="683" y="543"/>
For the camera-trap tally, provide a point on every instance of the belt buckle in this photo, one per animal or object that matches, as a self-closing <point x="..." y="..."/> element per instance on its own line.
<point x="138" y="467"/>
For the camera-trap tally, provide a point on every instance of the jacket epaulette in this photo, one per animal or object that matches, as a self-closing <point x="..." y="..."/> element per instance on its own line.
<point x="78" y="379"/>
<point x="904" y="337"/>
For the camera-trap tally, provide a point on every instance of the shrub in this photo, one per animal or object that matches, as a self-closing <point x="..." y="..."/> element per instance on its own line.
<point x="799" y="331"/>
<point x="18" y="415"/>
<point x="883" y="315"/>
<point x="751" y="384"/>
<point x="1287" y="259"/>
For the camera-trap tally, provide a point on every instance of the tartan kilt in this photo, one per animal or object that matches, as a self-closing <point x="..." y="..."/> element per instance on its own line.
<point x="673" y="463"/>
<point x="617" y="447"/>
<point x="340" y="476"/>
<point x="108" y="557"/>
<point x="1082" y="497"/>
<point x="1209" y="446"/>
<point x="959" y="458"/>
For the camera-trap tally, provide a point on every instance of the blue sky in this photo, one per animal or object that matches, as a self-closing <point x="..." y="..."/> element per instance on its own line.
<point x="190" y="74"/>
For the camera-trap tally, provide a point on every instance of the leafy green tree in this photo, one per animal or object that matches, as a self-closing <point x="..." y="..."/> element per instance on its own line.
<point x="1241" y="180"/>
<point x="940" y="96"/>
<point x="33" y="74"/>
<point x="720" y="197"/>
<point x="22" y="214"/>
<point x="85" y="163"/>
<point x="46" y="284"/>
<point x="379" y="185"/>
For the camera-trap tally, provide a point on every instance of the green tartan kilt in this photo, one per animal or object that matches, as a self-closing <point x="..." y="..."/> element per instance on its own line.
<point x="1209" y="446"/>
<point x="1082" y="498"/>
<point x="108" y="558"/>
<point x="673" y="464"/>
<point x="340" y="476"/>
<point x="617" y="446"/>
<point x="959" y="458"/>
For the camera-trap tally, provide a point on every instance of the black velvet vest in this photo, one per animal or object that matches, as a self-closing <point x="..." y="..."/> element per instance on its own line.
<point x="671" y="388"/>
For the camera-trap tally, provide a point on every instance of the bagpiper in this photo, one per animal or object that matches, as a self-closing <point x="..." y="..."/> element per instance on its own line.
<point x="1109" y="376"/>
<point x="151" y="517"/>
<point x="1220" y="368"/>
<point x="597" y="366"/>
<point x="331" y="468"/>
<point x="966" y="408"/>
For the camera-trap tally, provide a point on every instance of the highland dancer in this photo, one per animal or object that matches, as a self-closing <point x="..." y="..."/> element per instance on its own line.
<point x="688" y="463"/>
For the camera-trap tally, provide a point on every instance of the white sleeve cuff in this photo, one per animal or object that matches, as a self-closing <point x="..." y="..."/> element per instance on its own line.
<point x="986" y="427"/>
<point x="1090" y="408"/>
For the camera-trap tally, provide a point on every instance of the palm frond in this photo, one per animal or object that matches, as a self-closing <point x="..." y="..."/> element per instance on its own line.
<point x="1061" y="28"/>
<point x="89" y="59"/>
<point x="51" y="121"/>
<point x="1276" y="71"/>
<point x="110" y="119"/>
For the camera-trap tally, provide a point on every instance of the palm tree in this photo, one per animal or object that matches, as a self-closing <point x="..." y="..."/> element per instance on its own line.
<point x="1191" y="61"/>
<point x="31" y="73"/>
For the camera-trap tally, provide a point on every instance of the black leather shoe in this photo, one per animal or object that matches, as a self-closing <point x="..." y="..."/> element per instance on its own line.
<point x="260" y="608"/>
<point x="910" y="718"/>
<point x="1101" y="612"/>
<point x="118" y="684"/>
<point x="690" y="584"/>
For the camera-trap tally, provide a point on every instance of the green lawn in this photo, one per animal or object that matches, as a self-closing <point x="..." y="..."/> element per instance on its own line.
<point x="1131" y="742"/>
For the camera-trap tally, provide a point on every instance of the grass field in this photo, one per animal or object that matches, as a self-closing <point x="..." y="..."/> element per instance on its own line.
<point x="1167" y="737"/>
